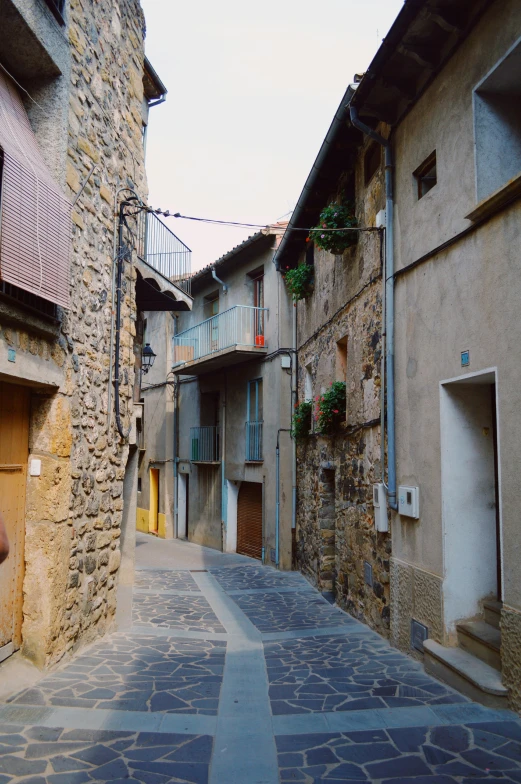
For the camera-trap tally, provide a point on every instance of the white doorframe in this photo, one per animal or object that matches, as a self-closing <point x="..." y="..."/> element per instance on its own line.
<point x="231" y="519"/>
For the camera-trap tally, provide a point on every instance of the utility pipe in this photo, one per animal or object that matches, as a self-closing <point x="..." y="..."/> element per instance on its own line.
<point x="293" y="404"/>
<point x="224" y="494"/>
<point x="389" y="302"/>
<point x="176" y="449"/>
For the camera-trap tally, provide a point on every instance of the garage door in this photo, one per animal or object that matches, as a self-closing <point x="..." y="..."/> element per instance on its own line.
<point x="249" y="520"/>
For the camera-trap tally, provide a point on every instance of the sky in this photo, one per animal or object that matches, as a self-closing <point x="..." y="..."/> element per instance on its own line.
<point x="252" y="90"/>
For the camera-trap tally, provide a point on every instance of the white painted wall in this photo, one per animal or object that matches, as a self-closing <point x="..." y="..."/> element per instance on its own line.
<point x="181" y="506"/>
<point x="468" y="498"/>
<point x="231" y="520"/>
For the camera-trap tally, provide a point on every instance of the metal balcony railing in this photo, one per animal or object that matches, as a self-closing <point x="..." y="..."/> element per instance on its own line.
<point x="204" y="444"/>
<point x="239" y="326"/>
<point x="254" y="441"/>
<point x="163" y="250"/>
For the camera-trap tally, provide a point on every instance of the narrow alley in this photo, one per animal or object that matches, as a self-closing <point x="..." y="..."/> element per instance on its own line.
<point x="228" y="671"/>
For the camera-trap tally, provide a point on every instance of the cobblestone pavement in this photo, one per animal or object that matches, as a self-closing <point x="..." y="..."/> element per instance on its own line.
<point x="241" y="675"/>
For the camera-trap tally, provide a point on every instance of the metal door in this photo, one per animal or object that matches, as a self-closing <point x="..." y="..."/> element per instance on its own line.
<point x="14" y="451"/>
<point x="249" y="520"/>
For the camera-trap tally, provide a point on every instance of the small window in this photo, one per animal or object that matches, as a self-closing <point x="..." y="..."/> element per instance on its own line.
<point x="372" y="160"/>
<point x="308" y="383"/>
<point x="341" y="360"/>
<point x="139" y="484"/>
<point x="426" y="176"/>
<point x="58" y="9"/>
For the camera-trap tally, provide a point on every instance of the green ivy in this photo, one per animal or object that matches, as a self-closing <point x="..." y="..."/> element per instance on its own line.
<point x="335" y="216"/>
<point x="301" y="422"/>
<point x="330" y="408"/>
<point x="298" y="281"/>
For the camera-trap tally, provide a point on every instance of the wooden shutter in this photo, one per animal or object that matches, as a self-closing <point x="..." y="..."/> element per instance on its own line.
<point x="249" y="520"/>
<point x="35" y="227"/>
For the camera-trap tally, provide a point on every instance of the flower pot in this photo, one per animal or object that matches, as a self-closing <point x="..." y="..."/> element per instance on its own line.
<point x="259" y="340"/>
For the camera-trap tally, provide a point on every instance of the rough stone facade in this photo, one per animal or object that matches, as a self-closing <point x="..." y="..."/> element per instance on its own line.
<point x="74" y="508"/>
<point x="510" y="657"/>
<point x="336" y="535"/>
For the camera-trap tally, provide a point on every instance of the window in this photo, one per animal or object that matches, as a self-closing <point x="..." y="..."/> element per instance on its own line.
<point x="58" y="9"/>
<point x="341" y="360"/>
<point x="254" y="421"/>
<point x="308" y="383"/>
<point x="426" y="176"/>
<point x="372" y="160"/>
<point x="497" y="125"/>
<point x="36" y="217"/>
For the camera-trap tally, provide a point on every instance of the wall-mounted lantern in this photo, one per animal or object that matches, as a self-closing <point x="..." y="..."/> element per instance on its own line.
<point x="148" y="358"/>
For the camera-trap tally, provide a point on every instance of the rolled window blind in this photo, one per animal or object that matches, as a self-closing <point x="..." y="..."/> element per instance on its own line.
<point x="35" y="218"/>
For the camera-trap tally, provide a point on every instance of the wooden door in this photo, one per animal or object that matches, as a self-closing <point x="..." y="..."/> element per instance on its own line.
<point x="14" y="452"/>
<point x="249" y="520"/>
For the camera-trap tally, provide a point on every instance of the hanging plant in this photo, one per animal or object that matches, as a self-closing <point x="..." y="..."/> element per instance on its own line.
<point x="301" y="422"/>
<point x="335" y="216"/>
<point x="330" y="408"/>
<point x="298" y="281"/>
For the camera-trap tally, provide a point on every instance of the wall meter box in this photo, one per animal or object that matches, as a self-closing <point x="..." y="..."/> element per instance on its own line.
<point x="409" y="501"/>
<point x="381" y="521"/>
<point x="285" y="361"/>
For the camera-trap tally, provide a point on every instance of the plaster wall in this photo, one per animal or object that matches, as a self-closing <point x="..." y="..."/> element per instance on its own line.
<point x="464" y="298"/>
<point x="231" y="384"/>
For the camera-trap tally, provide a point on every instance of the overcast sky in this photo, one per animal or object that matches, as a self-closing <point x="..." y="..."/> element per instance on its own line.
<point x="252" y="89"/>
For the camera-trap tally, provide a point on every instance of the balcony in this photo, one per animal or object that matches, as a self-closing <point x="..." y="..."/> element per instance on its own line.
<point x="226" y="339"/>
<point x="204" y="445"/>
<point x="254" y="442"/>
<point x="164" y="266"/>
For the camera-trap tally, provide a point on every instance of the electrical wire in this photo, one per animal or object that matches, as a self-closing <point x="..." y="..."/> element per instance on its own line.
<point x="25" y="91"/>
<point x="271" y="226"/>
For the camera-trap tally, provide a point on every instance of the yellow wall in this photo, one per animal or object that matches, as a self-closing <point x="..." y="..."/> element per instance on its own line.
<point x="142" y="520"/>
<point x="161" y="525"/>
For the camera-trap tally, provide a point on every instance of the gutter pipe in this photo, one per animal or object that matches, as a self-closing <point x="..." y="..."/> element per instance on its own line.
<point x="277" y="494"/>
<point x="223" y="284"/>
<point x="388" y="275"/>
<point x="176" y="449"/>
<point x="294" y="362"/>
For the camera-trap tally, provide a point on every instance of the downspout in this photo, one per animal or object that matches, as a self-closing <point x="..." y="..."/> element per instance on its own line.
<point x="388" y="275"/>
<point x="224" y="495"/>
<point x="223" y="284"/>
<point x="277" y="494"/>
<point x="176" y="449"/>
<point x="294" y="360"/>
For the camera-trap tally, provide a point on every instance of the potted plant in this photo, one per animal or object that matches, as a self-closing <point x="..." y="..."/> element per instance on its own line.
<point x="328" y="235"/>
<point x="299" y="281"/>
<point x="301" y="421"/>
<point x="330" y="408"/>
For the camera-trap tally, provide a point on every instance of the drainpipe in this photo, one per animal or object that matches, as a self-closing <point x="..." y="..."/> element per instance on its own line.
<point x="224" y="494"/>
<point x="293" y="403"/>
<point x="223" y="284"/>
<point x="388" y="276"/>
<point x="176" y="449"/>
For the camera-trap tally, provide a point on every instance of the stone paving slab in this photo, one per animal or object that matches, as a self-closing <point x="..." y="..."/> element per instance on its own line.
<point x="44" y="755"/>
<point x="137" y="673"/>
<point x="468" y="754"/>
<point x="165" y="580"/>
<point x="241" y="578"/>
<point x="192" y="613"/>
<point x="327" y="674"/>
<point x="272" y="612"/>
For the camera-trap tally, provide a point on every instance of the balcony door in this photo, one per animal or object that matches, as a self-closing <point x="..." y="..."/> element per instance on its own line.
<point x="258" y="302"/>
<point x="212" y="311"/>
<point x="254" y="421"/>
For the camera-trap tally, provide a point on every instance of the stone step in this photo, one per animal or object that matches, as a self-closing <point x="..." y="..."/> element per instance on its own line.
<point x="492" y="612"/>
<point x="481" y="640"/>
<point x="466" y="673"/>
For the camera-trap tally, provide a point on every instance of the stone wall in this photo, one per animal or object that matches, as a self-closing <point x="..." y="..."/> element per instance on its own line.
<point x="74" y="509"/>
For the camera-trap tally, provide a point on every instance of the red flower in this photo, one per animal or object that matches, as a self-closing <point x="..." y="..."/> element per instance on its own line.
<point x="335" y="411"/>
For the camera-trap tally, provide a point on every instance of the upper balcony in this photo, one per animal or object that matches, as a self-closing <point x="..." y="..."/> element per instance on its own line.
<point x="230" y="337"/>
<point x="163" y="265"/>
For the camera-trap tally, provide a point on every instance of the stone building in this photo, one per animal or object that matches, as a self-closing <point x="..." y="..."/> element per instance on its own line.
<point x="74" y="96"/>
<point x="339" y="327"/>
<point x="228" y="411"/>
<point x="456" y="148"/>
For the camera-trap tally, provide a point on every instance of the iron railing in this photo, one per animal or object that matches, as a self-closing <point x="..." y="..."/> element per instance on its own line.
<point x="163" y="250"/>
<point x="254" y="441"/>
<point x="239" y="326"/>
<point x="204" y="444"/>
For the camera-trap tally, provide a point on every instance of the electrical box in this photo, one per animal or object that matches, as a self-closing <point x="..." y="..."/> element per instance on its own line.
<point x="35" y="467"/>
<point x="409" y="501"/>
<point x="381" y="219"/>
<point x="285" y="361"/>
<point x="381" y="521"/>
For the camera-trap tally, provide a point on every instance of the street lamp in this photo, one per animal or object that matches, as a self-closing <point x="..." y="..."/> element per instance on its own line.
<point x="148" y="358"/>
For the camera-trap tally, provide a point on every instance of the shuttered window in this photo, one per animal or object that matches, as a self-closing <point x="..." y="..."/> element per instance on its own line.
<point x="35" y="218"/>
